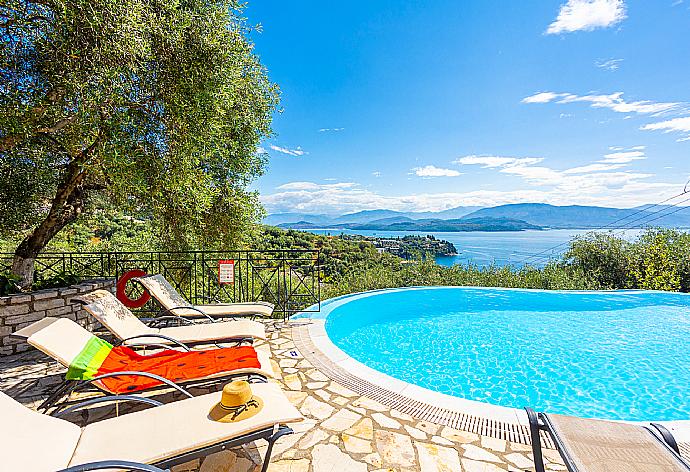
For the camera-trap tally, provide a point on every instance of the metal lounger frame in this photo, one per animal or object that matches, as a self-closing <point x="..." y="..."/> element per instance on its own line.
<point x="67" y="387"/>
<point x="540" y="422"/>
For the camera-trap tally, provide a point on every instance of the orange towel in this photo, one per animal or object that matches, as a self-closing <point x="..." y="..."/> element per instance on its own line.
<point x="172" y="365"/>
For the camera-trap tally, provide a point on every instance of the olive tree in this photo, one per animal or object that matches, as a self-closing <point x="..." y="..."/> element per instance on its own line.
<point x="158" y="105"/>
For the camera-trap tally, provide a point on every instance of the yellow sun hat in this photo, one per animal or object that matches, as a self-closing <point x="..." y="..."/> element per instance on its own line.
<point x="237" y="403"/>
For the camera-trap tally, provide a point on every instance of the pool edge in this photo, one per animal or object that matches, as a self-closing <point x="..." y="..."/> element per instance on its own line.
<point x="486" y="419"/>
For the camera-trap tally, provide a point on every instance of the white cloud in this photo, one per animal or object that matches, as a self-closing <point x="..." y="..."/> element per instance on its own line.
<point x="433" y="171"/>
<point x="593" y="168"/>
<point x="588" y="182"/>
<point x="497" y="161"/>
<point x="676" y="124"/>
<point x="586" y="15"/>
<point x="541" y="97"/>
<point x="624" y="157"/>
<point x="324" y="130"/>
<point x="613" y="189"/>
<point x="681" y="140"/>
<point x="310" y="186"/>
<point x="613" y="101"/>
<point x="290" y="152"/>
<point x="376" y="174"/>
<point x="609" y="64"/>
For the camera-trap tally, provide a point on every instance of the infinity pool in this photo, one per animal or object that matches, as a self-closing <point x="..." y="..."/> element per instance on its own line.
<point x="616" y="355"/>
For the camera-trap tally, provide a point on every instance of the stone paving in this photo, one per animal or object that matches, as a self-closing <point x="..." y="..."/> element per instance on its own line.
<point x="343" y="431"/>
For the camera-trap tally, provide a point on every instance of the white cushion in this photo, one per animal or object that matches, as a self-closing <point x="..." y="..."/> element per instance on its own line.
<point x="225" y="309"/>
<point x="106" y="308"/>
<point x="217" y="330"/>
<point x="167" y="431"/>
<point x="34" y="442"/>
<point x="62" y="340"/>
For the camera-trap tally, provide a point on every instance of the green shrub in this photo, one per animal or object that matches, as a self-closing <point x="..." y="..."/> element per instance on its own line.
<point x="61" y="279"/>
<point x="9" y="283"/>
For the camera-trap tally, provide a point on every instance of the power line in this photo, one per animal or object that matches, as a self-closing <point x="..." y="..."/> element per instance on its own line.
<point x="548" y="253"/>
<point x="629" y="227"/>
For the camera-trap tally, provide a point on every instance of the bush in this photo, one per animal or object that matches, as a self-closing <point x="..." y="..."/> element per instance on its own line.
<point x="603" y="259"/>
<point x="660" y="260"/>
<point x="61" y="279"/>
<point x="9" y="283"/>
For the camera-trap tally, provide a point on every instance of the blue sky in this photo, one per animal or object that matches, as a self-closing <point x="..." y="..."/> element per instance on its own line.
<point x="425" y="106"/>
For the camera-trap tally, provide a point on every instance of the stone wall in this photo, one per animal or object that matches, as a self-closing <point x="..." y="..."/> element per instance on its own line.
<point x="22" y="309"/>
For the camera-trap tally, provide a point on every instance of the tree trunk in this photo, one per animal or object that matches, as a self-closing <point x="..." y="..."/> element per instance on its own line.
<point x="66" y="206"/>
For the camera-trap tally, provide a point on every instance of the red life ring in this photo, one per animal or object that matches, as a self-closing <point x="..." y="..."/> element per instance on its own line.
<point x="122" y="294"/>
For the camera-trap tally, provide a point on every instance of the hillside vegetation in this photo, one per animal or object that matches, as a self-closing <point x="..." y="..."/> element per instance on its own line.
<point x="658" y="260"/>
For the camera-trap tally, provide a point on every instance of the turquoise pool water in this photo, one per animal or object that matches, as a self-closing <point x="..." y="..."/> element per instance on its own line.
<point x="616" y="355"/>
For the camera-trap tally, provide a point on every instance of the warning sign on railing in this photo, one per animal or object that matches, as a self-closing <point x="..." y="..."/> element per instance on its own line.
<point x="226" y="272"/>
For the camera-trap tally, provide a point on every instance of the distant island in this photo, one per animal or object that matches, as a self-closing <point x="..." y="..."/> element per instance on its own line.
<point x="512" y="217"/>
<point x="432" y="225"/>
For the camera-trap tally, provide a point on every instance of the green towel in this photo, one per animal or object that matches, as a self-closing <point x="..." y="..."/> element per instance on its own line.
<point x="86" y="364"/>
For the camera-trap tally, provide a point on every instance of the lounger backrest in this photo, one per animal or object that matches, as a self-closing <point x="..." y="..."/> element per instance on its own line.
<point x="106" y="308"/>
<point x="165" y="293"/>
<point x="63" y="340"/>
<point x="32" y="441"/>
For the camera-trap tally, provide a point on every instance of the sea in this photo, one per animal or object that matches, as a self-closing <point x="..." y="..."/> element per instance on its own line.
<point x="500" y="248"/>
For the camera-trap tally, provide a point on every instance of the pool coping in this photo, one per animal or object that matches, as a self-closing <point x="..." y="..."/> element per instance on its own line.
<point x="486" y="419"/>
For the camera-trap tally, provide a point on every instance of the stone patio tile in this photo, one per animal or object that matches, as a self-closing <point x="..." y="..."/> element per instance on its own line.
<point x="316" y="408"/>
<point x="310" y="439"/>
<point x="401" y="416"/>
<point x="287" y="362"/>
<point x="364" y="429"/>
<point x="292" y="381"/>
<point x="340" y="390"/>
<point x="295" y="397"/>
<point x="386" y="421"/>
<point x="356" y="445"/>
<point x="373" y="459"/>
<point x="433" y="458"/>
<point x="315" y="385"/>
<point x="328" y="458"/>
<point x="520" y="447"/>
<point x="427" y="427"/>
<point x="316" y="375"/>
<point x="456" y="435"/>
<point x="369" y="404"/>
<point x="477" y="453"/>
<point x="342" y="401"/>
<point x="495" y="444"/>
<point x="323" y="395"/>
<point x="226" y="461"/>
<point x="396" y="449"/>
<point x="299" y="465"/>
<point x="342" y="420"/>
<point x="477" y="466"/>
<point x="519" y="460"/>
<point x="442" y="441"/>
<point x="416" y="433"/>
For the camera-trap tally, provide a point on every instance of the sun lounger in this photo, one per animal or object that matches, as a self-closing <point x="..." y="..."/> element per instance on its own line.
<point x="163" y="436"/>
<point x="588" y="445"/>
<point x="96" y="365"/>
<point x="170" y="299"/>
<point x="125" y="325"/>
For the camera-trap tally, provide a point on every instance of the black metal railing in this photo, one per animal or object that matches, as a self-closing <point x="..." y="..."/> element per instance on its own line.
<point x="290" y="279"/>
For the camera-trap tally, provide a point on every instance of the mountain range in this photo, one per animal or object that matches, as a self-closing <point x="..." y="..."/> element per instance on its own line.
<point x="511" y="217"/>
